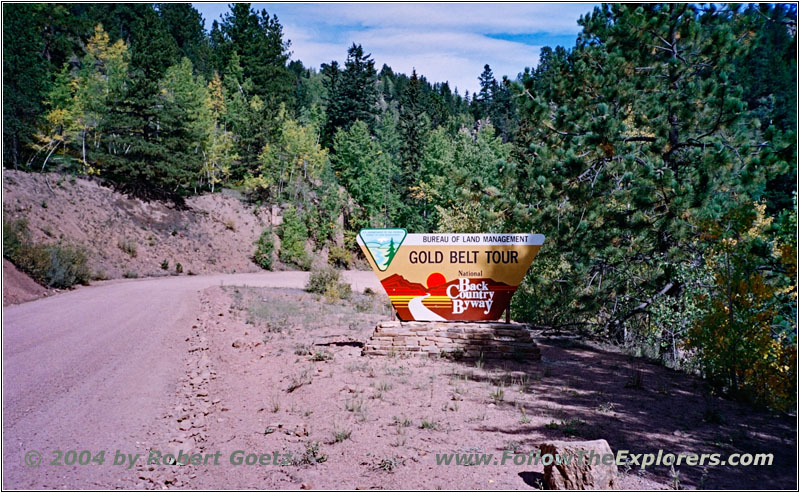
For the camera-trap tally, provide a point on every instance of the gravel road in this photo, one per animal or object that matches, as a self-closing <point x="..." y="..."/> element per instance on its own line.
<point x="89" y="369"/>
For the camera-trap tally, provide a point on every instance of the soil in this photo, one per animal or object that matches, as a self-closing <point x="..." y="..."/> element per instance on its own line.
<point x="251" y="362"/>
<point x="128" y="237"/>
<point x="290" y="386"/>
<point x="18" y="287"/>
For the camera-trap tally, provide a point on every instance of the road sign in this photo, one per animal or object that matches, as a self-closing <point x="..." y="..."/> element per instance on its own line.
<point x="449" y="276"/>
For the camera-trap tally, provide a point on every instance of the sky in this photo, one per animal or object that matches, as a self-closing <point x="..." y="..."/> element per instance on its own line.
<point x="443" y="41"/>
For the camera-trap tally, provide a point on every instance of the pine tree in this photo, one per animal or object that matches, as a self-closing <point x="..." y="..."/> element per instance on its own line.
<point x="482" y="101"/>
<point x="25" y="79"/>
<point x="352" y="93"/>
<point x="632" y="138"/>
<point x="153" y="135"/>
<point x="413" y="126"/>
<point x="391" y="251"/>
<point x="258" y="41"/>
<point x="185" y="25"/>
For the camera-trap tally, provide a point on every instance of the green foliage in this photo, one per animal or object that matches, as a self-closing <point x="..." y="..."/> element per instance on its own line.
<point x="742" y="341"/>
<point x="351" y="92"/>
<point x="413" y="127"/>
<point x="325" y="218"/>
<point x="340" y="257"/>
<point x="293" y="235"/>
<point x="294" y="160"/>
<point x="256" y="39"/>
<point x="625" y="179"/>
<point x="127" y="246"/>
<point x="66" y="266"/>
<point x="327" y="281"/>
<point x="52" y="265"/>
<point x="25" y="78"/>
<point x="357" y="160"/>
<point x="155" y="132"/>
<point x="265" y="246"/>
<point x="185" y="24"/>
<point x="612" y="177"/>
<point x="638" y="153"/>
<point x="15" y="236"/>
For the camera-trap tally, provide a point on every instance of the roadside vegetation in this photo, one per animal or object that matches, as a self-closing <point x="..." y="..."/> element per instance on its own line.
<point x="657" y="155"/>
<point x="55" y="265"/>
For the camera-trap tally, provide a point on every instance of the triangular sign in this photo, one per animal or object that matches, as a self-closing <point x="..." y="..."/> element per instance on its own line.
<point x="382" y="244"/>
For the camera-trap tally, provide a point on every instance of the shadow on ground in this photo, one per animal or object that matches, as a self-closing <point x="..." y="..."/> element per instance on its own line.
<point x="642" y="407"/>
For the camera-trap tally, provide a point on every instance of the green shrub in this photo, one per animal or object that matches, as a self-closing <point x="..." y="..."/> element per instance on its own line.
<point x="15" y="235"/>
<point x="178" y="268"/>
<point x="127" y="246"/>
<point x="165" y="264"/>
<point x="264" y="249"/>
<point x="319" y="280"/>
<point x="54" y="265"/>
<point x="327" y="281"/>
<point x="340" y="257"/>
<point x="67" y="266"/>
<point x="293" y="235"/>
<point x="338" y="291"/>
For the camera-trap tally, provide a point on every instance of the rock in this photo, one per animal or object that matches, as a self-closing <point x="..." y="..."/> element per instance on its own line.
<point x="590" y="473"/>
<point x="237" y="343"/>
<point x="306" y="486"/>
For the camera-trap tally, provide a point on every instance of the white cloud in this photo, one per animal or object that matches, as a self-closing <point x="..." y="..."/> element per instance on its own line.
<point x="512" y="18"/>
<point x="457" y="57"/>
<point x="443" y="41"/>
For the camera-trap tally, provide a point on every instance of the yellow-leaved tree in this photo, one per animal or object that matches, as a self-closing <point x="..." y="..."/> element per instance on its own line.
<point x="294" y="159"/>
<point x="78" y="99"/>
<point x="745" y="341"/>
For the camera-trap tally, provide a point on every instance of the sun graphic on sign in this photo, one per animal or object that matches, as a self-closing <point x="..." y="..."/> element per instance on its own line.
<point x="436" y="280"/>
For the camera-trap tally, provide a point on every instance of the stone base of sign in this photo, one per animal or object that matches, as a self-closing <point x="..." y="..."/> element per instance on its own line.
<point x="453" y="339"/>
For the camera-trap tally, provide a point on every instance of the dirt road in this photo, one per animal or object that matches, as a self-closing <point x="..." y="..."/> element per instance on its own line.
<point x="90" y="369"/>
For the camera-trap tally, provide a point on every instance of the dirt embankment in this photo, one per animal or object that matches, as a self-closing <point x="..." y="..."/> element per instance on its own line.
<point x="127" y="237"/>
<point x="18" y="287"/>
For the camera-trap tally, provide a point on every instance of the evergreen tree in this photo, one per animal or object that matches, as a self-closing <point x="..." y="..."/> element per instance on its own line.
<point x="263" y="54"/>
<point x="768" y="75"/>
<point x="482" y="101"/>
<point x="625" y="155"/>
<point x="352" y="93"/>
<point x="391" y="251"/>
<point x="413" y="127"/>
<point x="25" y="79"/>
<point x="153" y="134"/>
<point x="185" y="25"/>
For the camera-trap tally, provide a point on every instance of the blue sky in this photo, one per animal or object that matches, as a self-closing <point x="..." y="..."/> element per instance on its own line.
<point x="443" y="41"/>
